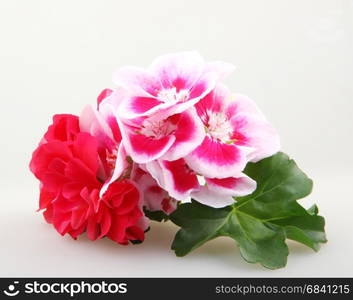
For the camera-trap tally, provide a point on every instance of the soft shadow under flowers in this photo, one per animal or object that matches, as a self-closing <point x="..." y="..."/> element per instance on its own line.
<point x="160" y="237"/>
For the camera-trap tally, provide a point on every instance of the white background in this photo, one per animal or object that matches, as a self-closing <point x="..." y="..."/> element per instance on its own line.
<point x="293" y="57"/>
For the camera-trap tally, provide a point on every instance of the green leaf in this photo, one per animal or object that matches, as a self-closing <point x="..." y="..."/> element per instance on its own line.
<point x="313" y="210"/>
<point x="307" y="229"/>
<point x="260" y="222"/>
<point x="157" y="216"/>
<point x="257" y="242"/>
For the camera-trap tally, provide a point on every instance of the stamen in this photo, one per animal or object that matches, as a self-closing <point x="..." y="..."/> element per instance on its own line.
<point x="157" y="129"/>
<point x="219" y="127"/>
<point x="171" y="95"/>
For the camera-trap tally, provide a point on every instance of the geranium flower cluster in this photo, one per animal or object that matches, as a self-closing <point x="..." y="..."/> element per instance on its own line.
<point x="164" y="135"/>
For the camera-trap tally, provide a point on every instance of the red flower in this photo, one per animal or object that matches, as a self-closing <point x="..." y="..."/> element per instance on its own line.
<point x="67" y="163"/>
<point x="65" y="127"/>
<point x="122" y="202"/>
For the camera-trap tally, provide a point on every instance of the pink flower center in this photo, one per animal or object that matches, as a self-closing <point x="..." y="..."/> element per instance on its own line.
<point x="157" y="128"/>
<point x="172" y="95"/>
<point x="219" y="127"/>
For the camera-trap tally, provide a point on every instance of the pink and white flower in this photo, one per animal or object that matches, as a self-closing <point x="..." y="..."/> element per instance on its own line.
<point x="103" y="124"/>
<point x="109" y="140"/>
<point x="236" y="132"/>
<point x="182" y="183"/>
<point x="172" y="84"/>
<point x="220" y="192"/>
<point x="147" y="139"/>
<point x="191" y="144"/>
<point x="175" y="177"/>
<point x="155" y="198"/>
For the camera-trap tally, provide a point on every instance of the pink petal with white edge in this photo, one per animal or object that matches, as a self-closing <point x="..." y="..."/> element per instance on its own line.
<point x="179" y="70"/>
<point x="137" y="93"/>
<point x="173" y="83"/>
<point x="242" y="104"/>
<point x="91" y="121"/>
<point x="143" y="148"/>
<point x="113" y="100"/>
<point x="188" y="135"/>
<point x="178" y="179"/>
<point x="216" y="159"/>
<point x="154" y="168"/>
<point x="143" y="222"/>
<point x="154" y="195"/>
<point x="135" y="107"/>
<point x="214" y="102"/>
<point x="259" y="134"/>
<point x="169" y="205"/>
<point x="103" y="95"/>
<point x="138" y="106"/>
<point x="137" y="81"/>
<point x="232" y="186"/>
<point x="120" y="166"/>
<point x="166" y="174"/>
<point x="211" y="198"/>
<point x="200" y="89"/>
<point x="108" y="110"/>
